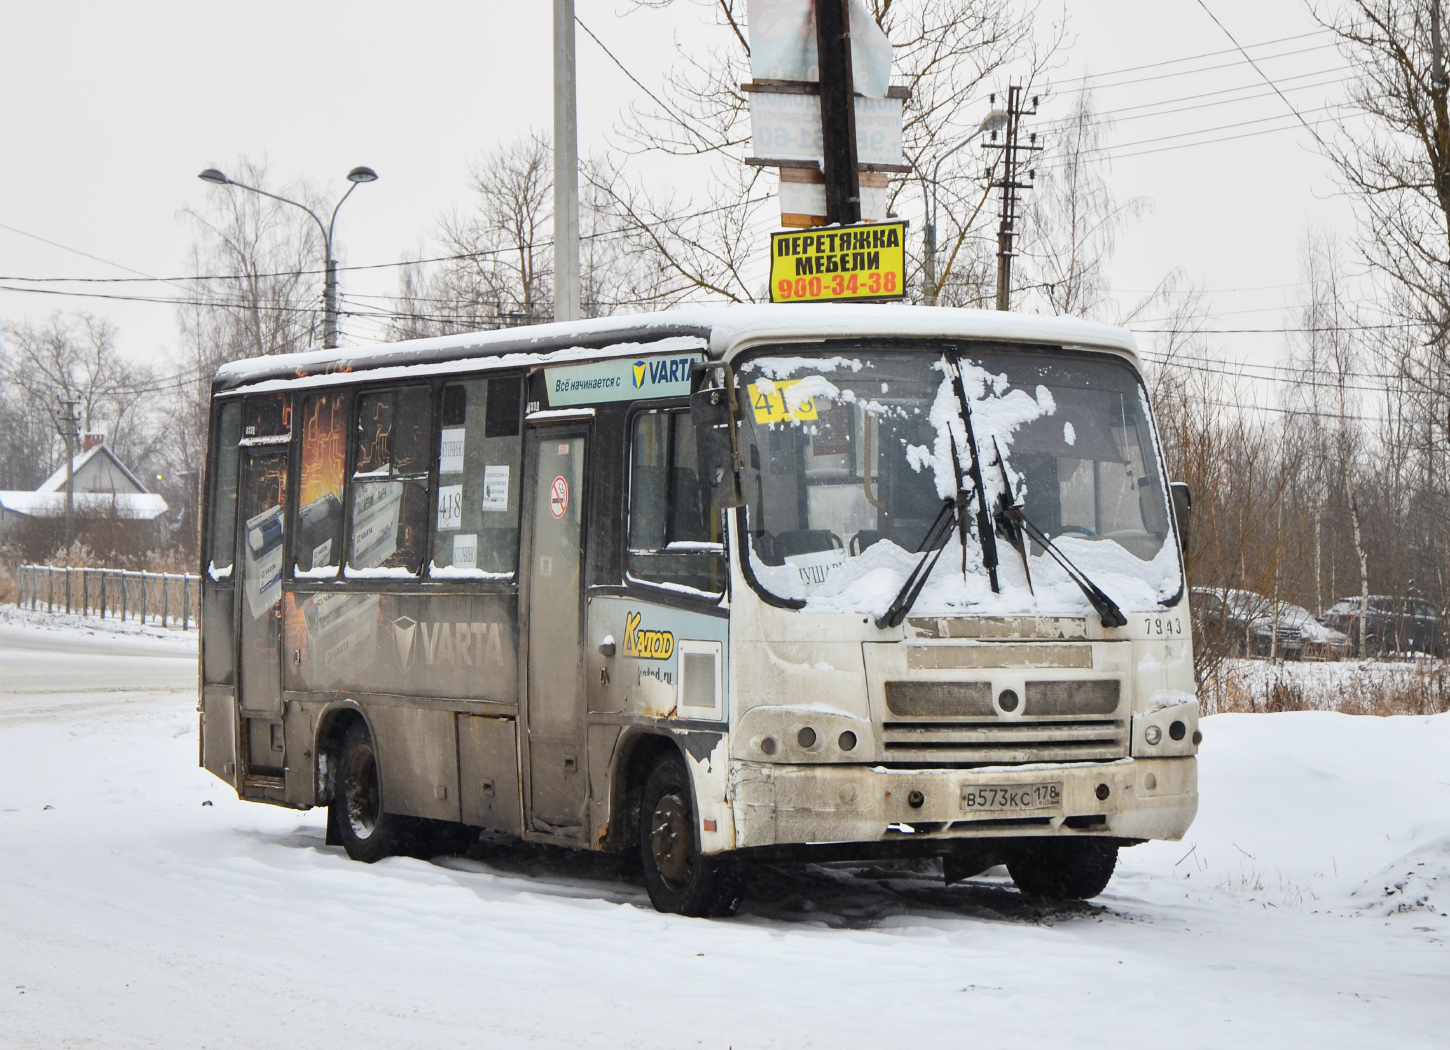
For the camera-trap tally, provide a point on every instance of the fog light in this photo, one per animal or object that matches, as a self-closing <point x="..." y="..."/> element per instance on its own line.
<point x="847" y="741"/>
<point x="1176" y="730"/>
<point x="915" y="799"/>
<point x="1007" y="700"/>
<point x="806" y="737"/>
<point x="1103" y="792"/>
<point x="1153" y="734"/>
<point x="768" y="745"/>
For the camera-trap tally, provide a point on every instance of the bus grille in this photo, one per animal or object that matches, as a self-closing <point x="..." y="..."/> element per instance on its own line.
<point x="955" y="721"/>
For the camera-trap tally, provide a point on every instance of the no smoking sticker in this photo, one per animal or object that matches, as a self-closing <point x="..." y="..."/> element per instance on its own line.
<point x="558" y="497"/>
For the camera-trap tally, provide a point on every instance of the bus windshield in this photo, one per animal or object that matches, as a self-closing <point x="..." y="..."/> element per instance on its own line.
<point x="849" y="459"/>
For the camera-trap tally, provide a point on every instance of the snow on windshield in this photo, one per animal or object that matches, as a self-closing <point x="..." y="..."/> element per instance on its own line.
<point x="852" y="459"/>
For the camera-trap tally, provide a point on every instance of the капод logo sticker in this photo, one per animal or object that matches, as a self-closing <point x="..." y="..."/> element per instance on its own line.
<point x="646" y="645"/>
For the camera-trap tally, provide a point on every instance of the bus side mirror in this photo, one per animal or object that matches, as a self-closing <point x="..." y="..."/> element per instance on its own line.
<point x="1182" y="510"/>
<point x="715" y="445"/>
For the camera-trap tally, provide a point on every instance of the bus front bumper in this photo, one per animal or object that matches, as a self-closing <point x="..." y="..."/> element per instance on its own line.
<point x="1145" y="798"/>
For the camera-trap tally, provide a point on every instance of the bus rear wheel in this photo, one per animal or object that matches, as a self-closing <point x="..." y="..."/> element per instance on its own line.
<point x="367" y="831"/>
<point x="679" y="879"/>
<point x="1062" y="869"/>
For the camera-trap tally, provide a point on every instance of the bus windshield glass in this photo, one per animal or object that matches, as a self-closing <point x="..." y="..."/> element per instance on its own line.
<point x="850" y="458"/>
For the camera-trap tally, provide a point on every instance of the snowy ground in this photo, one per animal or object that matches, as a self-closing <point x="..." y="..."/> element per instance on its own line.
<point x="1305" y="908"/>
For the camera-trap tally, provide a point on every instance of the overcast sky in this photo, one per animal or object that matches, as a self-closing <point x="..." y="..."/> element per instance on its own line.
<point x="111" y="110"/>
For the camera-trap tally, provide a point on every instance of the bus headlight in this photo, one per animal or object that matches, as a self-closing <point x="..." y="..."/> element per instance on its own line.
<point x="1153" y="734"/>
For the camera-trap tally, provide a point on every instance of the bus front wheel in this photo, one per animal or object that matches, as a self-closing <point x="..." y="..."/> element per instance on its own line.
<point x="1062" y="869"/>
<point x="678" y="877"/>
<point x="356" y="813"/>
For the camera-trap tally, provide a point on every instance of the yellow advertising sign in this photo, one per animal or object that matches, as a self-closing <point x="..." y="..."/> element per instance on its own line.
<point x="770" y="404"/>
<point x="839" y="262"/>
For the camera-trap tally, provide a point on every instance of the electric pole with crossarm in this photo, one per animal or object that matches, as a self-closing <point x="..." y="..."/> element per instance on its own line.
<point x="1012" y="157"/>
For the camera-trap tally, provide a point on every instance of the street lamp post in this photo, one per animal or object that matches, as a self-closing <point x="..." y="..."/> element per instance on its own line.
<point x="357" y="177"/>
<point x="991" y="122"/>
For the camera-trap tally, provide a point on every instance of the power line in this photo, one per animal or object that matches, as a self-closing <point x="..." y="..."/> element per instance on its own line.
<point x="1195" y="58"/>
<point x="1190" y="72"/>
<point x="1206" y="131"/>
<point x="596" y="235"/>
<point x="1114" y="116"/>
<point x="1204" y="4"/>
<point x="1283" y="329"/>
<point x="1105" y="152"/>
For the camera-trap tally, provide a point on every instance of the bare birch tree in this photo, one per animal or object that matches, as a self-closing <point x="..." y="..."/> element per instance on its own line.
<point x="1073" y="216"/>
<point x="74" y="357"/>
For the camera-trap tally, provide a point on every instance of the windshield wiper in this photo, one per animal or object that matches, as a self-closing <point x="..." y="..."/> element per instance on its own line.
<point x="935" y="541"/>
<point x="1010" y="516"/>
<point x="985" y="533"/>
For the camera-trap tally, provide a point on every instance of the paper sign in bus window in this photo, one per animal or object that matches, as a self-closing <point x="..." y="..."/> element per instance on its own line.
<point x="450" y="507"/>
<point x="264" y="561"/>
<point x="815" y="568"/>
<point x="772" y="402"/>
<point x="450" y="450"/>
<point x="465" y="551"/>
<point x="496" y="488"/>
<point x="375" y="511"/>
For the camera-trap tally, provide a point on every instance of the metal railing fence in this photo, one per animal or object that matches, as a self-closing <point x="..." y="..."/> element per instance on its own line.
<point x="169" y="599"/>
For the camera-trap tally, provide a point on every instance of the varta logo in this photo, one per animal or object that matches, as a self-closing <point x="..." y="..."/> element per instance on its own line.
<point x="646" y="645"/>
<point x="405" y="629"/>
<point x="638" y="374"/>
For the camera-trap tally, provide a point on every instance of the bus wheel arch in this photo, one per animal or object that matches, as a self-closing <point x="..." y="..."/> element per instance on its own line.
<point x="332" y="727"/>
<point x="637" y="754"/>
<point x="679" y="877"/>
<point x="356" y="818"/>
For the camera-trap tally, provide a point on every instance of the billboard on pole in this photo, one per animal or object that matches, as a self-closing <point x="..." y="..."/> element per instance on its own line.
<point x="783" y="44"/>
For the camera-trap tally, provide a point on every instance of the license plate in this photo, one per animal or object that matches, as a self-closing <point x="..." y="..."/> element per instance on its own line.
<point x="1008" y="798"/>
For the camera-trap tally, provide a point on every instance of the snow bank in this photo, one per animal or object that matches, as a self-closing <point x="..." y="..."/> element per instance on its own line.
<point x="1299" y="809"/>
<point x="1417" y="883"/>
<point x="78" y="626"/>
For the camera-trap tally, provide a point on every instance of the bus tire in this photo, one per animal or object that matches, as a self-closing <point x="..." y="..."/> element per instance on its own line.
<point x="679" y="879"/>
<point x="1062" y="869"/>
<point x="367" y="831"/>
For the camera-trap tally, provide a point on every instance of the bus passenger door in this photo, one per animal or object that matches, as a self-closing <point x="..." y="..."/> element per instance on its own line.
<point x="553" y="712"/>
<point x="261" y="515"/>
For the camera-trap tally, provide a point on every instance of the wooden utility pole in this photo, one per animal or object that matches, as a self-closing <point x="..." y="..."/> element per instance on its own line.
<point x="1012" y="151"/>
<point x="838" y="111"/>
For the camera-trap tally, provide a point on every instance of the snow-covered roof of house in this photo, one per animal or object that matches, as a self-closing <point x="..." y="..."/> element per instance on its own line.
<point x="56" y="482"/>
<point x="136" y="506"/>
<point x="715" y="329"/>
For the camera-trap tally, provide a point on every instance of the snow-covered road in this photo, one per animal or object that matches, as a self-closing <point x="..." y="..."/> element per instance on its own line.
<point x="133" y="915"/>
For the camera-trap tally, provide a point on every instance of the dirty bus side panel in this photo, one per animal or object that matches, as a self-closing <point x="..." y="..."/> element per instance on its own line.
<point x="218" y="736"/>
<point x="553" y="596"/>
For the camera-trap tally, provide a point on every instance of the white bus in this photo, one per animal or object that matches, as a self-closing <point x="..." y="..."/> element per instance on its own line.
<point x="760" y="582"/>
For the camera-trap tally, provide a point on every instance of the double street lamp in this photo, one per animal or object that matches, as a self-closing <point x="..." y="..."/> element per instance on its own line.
<point x="357" y="177"/>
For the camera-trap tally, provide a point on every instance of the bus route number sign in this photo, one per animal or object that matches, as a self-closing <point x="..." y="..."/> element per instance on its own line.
<point x="835" y="263"/>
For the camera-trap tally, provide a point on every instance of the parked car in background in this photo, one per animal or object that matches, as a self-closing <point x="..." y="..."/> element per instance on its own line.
<point x="1393" y="626"/>
<point x="1247" y="624"/>
<point x="1316" y="641"/>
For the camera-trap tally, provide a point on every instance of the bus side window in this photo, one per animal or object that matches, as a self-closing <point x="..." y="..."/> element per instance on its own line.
<point x="324" y="461"/>
<point x="389" y="485"/>
<point x="222" y="547"/>
<point x="480" y="443"/>
<point x="674" y="533"/>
